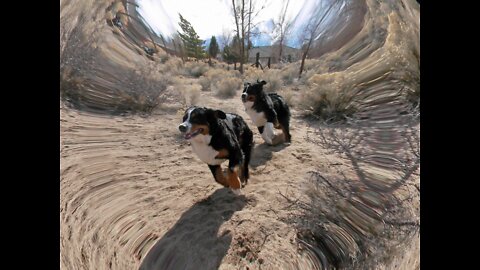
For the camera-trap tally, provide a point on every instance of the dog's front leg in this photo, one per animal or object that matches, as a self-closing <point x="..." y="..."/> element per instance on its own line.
<point x="232" y="176"/>
<point x="269" y="135"/>
<point x="218" y="175"/>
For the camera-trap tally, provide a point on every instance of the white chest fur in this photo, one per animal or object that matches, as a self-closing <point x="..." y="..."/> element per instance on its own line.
<point x="205" y="152"/>
<point x="258" y="118"/>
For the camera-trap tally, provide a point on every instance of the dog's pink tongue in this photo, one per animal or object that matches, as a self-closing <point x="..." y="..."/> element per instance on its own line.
<point x="189" y="135"/>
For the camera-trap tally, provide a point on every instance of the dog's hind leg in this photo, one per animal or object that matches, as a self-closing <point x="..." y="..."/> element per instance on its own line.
<point x="247" y="147"/>
<point x="286" y="131"/>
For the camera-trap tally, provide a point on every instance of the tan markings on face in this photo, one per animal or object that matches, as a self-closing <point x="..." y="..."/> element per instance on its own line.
<point x="220" y="178"/>
<point x="232" y="178"/>
<point x="223" y="153"/>
<point x="197" y="126"/>
<point x="251" y="98"/>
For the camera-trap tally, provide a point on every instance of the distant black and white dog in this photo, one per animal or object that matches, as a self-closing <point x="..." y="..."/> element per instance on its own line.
<point x="215" y="137"/>
<point x="267" y="111"/>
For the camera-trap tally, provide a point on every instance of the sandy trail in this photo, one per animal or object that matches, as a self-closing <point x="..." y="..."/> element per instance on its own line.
<point x="130" y="183"/>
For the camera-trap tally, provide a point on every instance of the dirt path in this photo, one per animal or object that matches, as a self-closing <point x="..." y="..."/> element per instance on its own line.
<point x="130" y="184"/>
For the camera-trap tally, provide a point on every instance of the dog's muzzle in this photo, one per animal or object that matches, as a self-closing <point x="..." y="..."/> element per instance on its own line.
<point x="183" y="128"/>
<point x="244" y="97"/>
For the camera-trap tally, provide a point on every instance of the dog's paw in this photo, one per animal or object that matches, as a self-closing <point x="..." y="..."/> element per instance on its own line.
<point x="237" y="192"/>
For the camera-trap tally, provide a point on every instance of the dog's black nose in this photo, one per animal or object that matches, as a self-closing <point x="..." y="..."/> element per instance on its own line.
<point x="244" y="96"/>
<point x="182" y="128"/>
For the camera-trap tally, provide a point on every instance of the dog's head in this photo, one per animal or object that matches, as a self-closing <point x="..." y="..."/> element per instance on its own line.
<point x="198" y="120"/>
<point x="252" y="92"/>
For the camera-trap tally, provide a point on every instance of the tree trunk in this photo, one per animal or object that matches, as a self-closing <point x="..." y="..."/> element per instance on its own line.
<point x="242" y="44"/>
<point x="164" y="44"/>
<point x="303" y="63"/>
<point x="174" y="46"/>
<point x="238" y="28"/>
<point x="281" y="47"/>
<point x="282" y="29"/>
<point x="248" y="31"/>
<point x="257" y="59"/>
<point x="268" y="64"/>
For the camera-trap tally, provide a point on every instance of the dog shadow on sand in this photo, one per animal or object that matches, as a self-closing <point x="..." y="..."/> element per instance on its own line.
<point x="263" y="152"/>
<point x="194" y="242"/>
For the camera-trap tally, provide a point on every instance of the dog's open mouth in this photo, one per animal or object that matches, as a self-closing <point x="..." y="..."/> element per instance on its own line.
<point x="192" y="134"/>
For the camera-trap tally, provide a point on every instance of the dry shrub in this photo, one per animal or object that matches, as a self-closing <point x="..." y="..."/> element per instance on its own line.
<point x="90" y="80"/>
<point x="327" y="97"/>
<point x="271" y="76"/>
<point x="191" y="94"/>
<point x="215" y="76"/>
<point x="172" y="66"/>
<point x="289" y="96"/>
<point x="227" y="87"/>
<point x="289" y="74"/>
<point x="195" y="69"/>
<point x="253" y="74"/>
<point x="273" y="79"/>
<point x="205" y="83"/>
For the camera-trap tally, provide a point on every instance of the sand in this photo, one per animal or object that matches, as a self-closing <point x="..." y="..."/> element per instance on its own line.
<point x="132" y="184"/>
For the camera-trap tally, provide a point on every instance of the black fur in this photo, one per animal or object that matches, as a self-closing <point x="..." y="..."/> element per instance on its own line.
<point x="273" y="105"/>
<point x="237" y="139"/>
<point x="245" y="138"/>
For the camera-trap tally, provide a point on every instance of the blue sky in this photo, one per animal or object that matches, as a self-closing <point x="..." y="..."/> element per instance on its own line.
<point x="213" y="17"/>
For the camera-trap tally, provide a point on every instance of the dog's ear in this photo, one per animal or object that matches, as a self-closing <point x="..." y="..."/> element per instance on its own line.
<point x="216" y="113"/>
<point x="220" y="114"/>
<point x="263" y="82"/>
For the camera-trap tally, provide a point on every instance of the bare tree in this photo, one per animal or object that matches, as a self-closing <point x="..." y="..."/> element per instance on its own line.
<point x="249" y="28"/>
<point x="244" y="22"/>
<point x="283" y="26"/>
<point x="177" y="44"/>
<point x="224" y="38"/>
<point x="313" y="29"/>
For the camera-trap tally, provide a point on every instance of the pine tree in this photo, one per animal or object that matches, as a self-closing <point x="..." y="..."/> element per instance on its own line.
<point x="192" y="43"/>
<point x="236" y="49"/>
<point x="227" y="54"/>
<point x="213" y="48"/>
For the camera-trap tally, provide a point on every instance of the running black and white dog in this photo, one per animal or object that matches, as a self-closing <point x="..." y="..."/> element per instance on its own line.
<point x="215" y="137"/>
<point x="267" y="111"/>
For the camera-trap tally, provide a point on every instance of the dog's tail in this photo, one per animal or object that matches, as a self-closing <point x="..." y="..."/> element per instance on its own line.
<point x="247" y="147"/>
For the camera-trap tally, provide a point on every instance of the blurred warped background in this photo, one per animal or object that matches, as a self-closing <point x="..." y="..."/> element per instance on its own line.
<point x="344" y="195"/>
